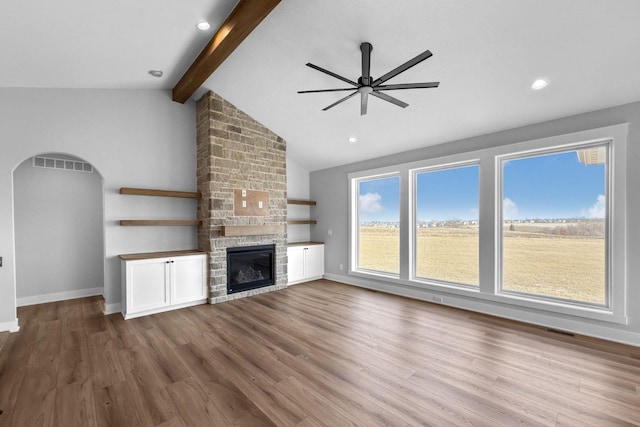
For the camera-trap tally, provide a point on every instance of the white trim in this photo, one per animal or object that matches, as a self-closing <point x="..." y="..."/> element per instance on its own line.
<point x="306" y="279"/>
<point x="163" y="309"/>
<point x="464" y="291"/>
<point x="504" y="311"/>
<point x="412" y="256"/>
<point x="58" y="296"/>
<point x="10" y="326"/>
<point x="354" y="213"/>
<point x="112" y="308"/>
<point x="500" y="160"/>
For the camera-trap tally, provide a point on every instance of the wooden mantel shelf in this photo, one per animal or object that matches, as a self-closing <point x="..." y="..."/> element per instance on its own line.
<point x="250" y="230"/>
<point x="160" y="222"/>
<point x="162" y="193"/>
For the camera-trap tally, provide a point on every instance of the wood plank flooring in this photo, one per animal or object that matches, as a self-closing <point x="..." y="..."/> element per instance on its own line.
<point x="315" y="354"/>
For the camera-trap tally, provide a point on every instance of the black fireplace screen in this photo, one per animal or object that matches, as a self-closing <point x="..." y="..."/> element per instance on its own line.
<point x="250" y="267"/>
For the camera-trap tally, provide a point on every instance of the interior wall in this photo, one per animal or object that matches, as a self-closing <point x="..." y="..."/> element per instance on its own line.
<point x="58" y="232"/>
<point x="298" y="188"/>
<point x="329" y="187"/>
<point x="135" y="138"/>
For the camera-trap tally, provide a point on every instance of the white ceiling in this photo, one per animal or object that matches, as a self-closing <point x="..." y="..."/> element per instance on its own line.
<point x="486" y="54"/>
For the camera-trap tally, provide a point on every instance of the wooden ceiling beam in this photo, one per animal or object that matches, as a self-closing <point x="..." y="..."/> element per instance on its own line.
<point x="246" y="16"/>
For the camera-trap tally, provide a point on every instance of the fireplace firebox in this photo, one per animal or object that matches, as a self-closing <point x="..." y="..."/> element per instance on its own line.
<point x="250" y="267"/>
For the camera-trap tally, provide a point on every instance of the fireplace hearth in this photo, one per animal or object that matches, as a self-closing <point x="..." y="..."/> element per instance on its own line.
<point x="250" y="267"/>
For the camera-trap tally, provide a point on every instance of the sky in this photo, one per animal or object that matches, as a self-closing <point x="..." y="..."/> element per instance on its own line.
<point x="550" y="186"/>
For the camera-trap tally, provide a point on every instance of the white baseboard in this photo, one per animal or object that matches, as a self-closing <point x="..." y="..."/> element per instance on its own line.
<point x="58" y="296"/>
<point x="163" y="309"/>
<point x="9" y="326"/>
<point x="508" y="312"/>
<point x="308" y="279"/>
<point x="112" y="308"/>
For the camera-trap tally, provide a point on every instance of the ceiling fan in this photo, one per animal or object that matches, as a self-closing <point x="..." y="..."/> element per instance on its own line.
<point x="367" y="86"/>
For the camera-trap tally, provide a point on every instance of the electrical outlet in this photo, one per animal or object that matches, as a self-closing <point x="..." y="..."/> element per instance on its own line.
<point x="330" y="232"/>
<point x="260" y="204"/>
<point x="341" y="267"/>
<point x="244" y="203"/>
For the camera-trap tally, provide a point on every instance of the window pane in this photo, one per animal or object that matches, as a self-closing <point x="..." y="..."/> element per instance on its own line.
<point x="554" y="231"/>
<point x="379" y="225"/>
<point x="447" y="225"/>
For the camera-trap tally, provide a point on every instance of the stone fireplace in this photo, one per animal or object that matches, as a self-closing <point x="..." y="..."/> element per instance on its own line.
<point x="236" y="152"/>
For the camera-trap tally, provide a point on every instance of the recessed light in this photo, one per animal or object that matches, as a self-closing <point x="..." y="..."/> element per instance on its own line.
<point x="539" y="84"/>
<point x="203" y="25"/>
<point x="156" y="73"/>
<point x="352" y="140"/>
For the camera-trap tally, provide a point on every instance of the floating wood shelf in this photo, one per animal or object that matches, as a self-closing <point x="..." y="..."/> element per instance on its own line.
<point x="159" y="222"/>
<point x="301" y="202"/>
<point x="163" y="193"/>
<point x="301" y="221"/>
<point x="250" y="230"/>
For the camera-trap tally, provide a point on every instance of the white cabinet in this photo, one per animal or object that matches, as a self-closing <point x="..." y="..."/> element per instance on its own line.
<point x="314" y="262"/>
<point x="147" y="285"/>
<point x="305" y="262"/>
<point x="189" y="280"/>
<point x="162" y="281"/>
<point x="295" y="264"/>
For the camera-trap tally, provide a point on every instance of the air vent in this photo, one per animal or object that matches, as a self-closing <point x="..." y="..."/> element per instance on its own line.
<point x="556" y="331"/>
<point x="62" y="164"/>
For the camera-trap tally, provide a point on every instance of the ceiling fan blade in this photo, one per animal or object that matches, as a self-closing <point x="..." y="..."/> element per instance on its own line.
<point x="324" y="90"/>
<point x="339" y="101"/>
<point x="366" y="49"/>
<point x="390" y="99"/>
<point x="404" y="67"/>
<point x="408" y="86"/>
<point x="363" y="103"/>
<point x="322" y="70"/>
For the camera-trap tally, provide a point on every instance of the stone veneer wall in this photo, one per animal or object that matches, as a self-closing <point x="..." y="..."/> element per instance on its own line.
<point x="235" y="151"/>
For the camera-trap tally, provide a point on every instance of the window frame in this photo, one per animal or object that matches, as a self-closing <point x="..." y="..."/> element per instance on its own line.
<point x="489" y="219"/>
<point x="500" y="161"/>
<point x="413" y="200"/>
<point x="354" y="215"/>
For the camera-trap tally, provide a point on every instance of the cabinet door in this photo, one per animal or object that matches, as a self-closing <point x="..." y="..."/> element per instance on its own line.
<point x="189" y="278"/>
<point x="295" y="263"/>
<point x="314" y="261"/>
<point x="147" y="284"/>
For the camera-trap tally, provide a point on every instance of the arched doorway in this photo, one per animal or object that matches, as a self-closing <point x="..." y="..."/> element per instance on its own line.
<point x="58" y="228"/>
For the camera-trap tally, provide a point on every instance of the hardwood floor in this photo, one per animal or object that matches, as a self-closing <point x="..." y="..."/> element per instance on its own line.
<point x="315" y="354"/>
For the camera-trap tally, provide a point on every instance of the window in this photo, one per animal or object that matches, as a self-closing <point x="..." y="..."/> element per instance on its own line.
<point x="446" y="224"/>
<point x="538" y="224"/>
<point x="378" y="232"/>
<point x="554" y="224"/>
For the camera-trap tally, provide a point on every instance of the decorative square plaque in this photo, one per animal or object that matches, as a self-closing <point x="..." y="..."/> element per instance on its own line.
<point x="250" y="202"/>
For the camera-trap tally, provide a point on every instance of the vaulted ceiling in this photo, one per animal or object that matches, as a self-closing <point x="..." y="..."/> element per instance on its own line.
<point x="486" y="54"/>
